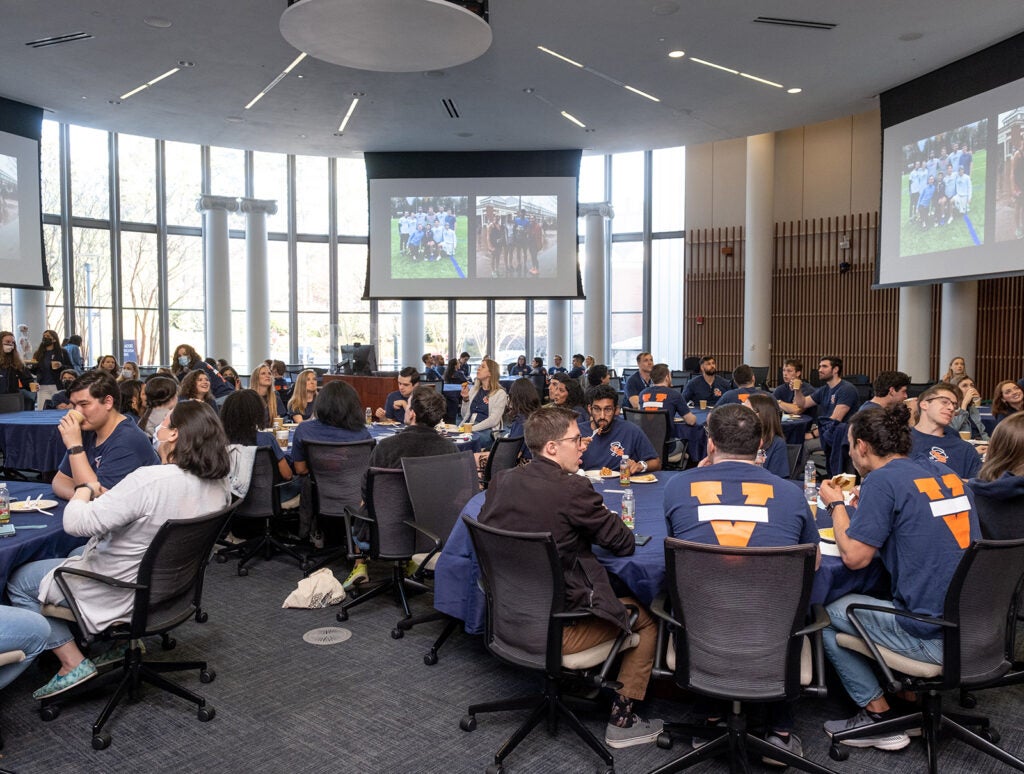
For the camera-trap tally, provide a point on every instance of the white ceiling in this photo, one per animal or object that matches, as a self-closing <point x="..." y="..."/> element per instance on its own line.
<point x="237" y="49"/>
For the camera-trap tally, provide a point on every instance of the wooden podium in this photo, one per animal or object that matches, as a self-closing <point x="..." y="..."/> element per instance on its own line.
<point x="372" y="390"/>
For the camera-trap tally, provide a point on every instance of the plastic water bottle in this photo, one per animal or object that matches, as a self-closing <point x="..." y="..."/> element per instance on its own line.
<point x="5" y="504"/>
<point x="369" y="416"/>
<point x="629" y="509"/>
<point x="624" y="471"/>
<point x="811" y="487"/>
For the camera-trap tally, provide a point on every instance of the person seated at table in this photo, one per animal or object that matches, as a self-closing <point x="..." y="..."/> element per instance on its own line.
<point x="50" y="358"/>
<point x="300" y="405"/>
<point x="1008" y="399"/>
<point x="429" y="374"/>
<point x="262" y="380"/>
<point x="967" y="417"/>
<point x="723" y="483"/>
<point x="483" y="404"/>
<point x="792" y="369"/>
<point x="519" y="368"/>
<point x="888" y="389"/>
<point x="1001" y="479"/>
<point x="339" y="418"/>
<point x="129" y="371"/>
<point x="557" y="367"/>
<point x="453" y="374"/>
<point x="397" y="402"/>
<point x="957" y="368"/>
<point x="159" y="396"/>
<point x="109" y="364"/>
<point x="614" y="438"/>
<point x="230" y="375"/>
<point x="241" y="415"/>
<point x="743" y="378"/>
<point x="598" y="374"/>
<point x="105" y="445"/>
<point x="639" y="381"/>
<point x="577" y="369"/>
<point x="22" y="630"/>
<point x="576" y="516"/>
<point x="523" y="400"/>
<point x="60" y="400"/>
<point x="14" y="376"/>
<point x="73" y="346"/>
<point x="130" y="403"/>
<point x="835" y="398"/>
<point x="121" y="521"/>
<point x="196" y="386"/>
<point x="565" y="391"/>
<point x="897" y="518"/>
<point x="774" y="454"/>
<point x="660" y="395"/>
<point x="708" y="386"/>
<point x="929" y="436"/>
<point x="464" y="364"/>
<point x="187" y="359"/>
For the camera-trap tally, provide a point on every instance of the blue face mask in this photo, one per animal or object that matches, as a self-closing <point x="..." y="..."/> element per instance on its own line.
<point x="183" y="360"/>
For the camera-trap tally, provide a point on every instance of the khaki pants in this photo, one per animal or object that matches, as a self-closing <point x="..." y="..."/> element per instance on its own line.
<point x="635" y="672"/>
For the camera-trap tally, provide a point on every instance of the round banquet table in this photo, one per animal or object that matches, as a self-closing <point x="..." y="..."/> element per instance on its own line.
<point x="697" y="440"/>
<point x="30" y="440"/>
<point x="28" y="545"/>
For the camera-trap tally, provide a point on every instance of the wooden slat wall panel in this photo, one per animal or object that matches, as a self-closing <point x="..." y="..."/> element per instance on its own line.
<point x="714" y="291"/>
<point x="936" y="368"/>
<point x="1000" y="340"/>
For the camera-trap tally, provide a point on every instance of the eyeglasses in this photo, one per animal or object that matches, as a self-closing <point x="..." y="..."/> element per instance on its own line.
<point x="943" y="400"/>
<point x="577" y="439"/>
<point x="605" y="410"/>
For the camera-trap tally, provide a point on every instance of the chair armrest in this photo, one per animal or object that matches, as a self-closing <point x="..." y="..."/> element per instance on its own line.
<point x="821" y="620"/>
<point x="566" y="615"/>
<point x="813" y="631"/>
<point x="351" y="514"/>
<point x="105" y="579"/>
<point x="438" y="545"/>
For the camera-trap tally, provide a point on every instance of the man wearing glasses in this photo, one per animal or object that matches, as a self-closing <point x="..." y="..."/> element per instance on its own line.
<point x="613" y="438"/>
<point x="576" y="516"/>
<point x="937" y="406"/>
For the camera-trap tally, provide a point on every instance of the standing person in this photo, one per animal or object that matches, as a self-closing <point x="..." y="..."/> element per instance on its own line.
<point x="109" y="364"/>
<point x="964" y="192"/>
<point x="919" y="520"/>
<point x="190" y="481"/>
<point x="792" y="371"/>
<point x="50" y="359"/>
<point x="104" y="444"/>
<point x="196" y="386"/>
<point x="614" y="438"/>
<point x="160" y="395"/>
<point x="1008" y="399"/>
<point x="74" y="349"/>
<point x="535" y="243"/>
<point x="262" y="381"/>
<point x="967" y="418"/>
<point x="130" y="370"/>
<point x="639" y="381"/>
<point x="577" y="518"/>
<point x="187" y="359"/>
<point x="774" y="455"/>
<point x="924" y="202"/>
<point x="300" y="405"/>
<point x="429" y="374"/>
<point x="14" y="377"/>
<point x="936" y="407"/>
<point x="397" y="403"/>
<point x="708" y="386"/>
<point x="483" y="405"/>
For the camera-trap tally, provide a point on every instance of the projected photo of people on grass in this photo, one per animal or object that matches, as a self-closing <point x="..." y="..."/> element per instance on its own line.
<point x="516" y="236"/>
<point x="428" y="237"/>
<point x="943" y="190"/>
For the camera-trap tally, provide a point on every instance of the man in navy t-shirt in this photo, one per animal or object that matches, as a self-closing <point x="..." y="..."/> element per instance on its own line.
<point x="661" y="396"/>
<point x="792" y="369"/>
<point x="708" y="386"/>
<point x="397" y="402"/>
<point x="932" y="438"/>
<point x="577" y="367"/>
<point x="743" y="378"/>
<point x="106" y="445"/>
<point x="888" y="389"/>
<point x="614" y="438"/>
<point x="835" y="398"/>
<point x="639" y="381"/>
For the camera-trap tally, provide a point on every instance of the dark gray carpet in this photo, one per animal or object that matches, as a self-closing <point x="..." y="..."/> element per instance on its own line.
<point x="367" y="705"/>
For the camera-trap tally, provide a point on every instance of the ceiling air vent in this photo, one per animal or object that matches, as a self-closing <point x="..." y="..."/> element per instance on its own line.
<point x="449" y="105"/>
<point x="58" y="39"/>
<point x="807" y="25"/>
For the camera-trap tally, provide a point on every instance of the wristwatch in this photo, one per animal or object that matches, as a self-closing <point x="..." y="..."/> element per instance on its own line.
<point x="833" y="505"/>
<point x="643" y="466"/>
<point x="92" y="492"/>
<point x="75" y="450"/>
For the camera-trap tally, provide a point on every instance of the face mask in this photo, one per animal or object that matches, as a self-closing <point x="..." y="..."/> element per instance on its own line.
<point x="183" y="360"/>
<point x="8" y="348"/>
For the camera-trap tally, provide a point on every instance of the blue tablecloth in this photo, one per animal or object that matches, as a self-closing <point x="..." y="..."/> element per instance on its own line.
<point x="697" y="440"/>
<point x="30" y="440"/>
<point x="379" y="431"/>
<point x="28" y="545"/>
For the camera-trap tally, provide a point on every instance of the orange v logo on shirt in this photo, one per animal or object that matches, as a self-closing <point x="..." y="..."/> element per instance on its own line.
<point x="733" y="524"/>
<point x="954" y="508"/>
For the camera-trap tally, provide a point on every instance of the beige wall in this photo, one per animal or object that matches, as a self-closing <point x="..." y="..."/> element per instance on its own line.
<point x="822" y="170"/>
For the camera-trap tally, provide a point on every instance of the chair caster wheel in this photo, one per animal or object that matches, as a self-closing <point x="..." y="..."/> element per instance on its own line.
<point x="169" y="643"/>
<point x="968" y="701"/>
<point x="202" y="617"/>
<point x="664" y="741"/>
<point x="430" y="659"/>
<point x="468" y="723"/>
<point x="397" y="634"/>
<point x="49" y="713"/>
<point x="242" y="572"/>
<point x="989" y="735"/>
<point x="206" y="714"/>
<point x="342" y="616"/>
<point x="220" y="558"/>
<point x="207" y="676"/>
<point x="608" y="770"/>
<point x="495" y="768"/>
<point x="101" y="741"/>
<point x="837" y="753"/>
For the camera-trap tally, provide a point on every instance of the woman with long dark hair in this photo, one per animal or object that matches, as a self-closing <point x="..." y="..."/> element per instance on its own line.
<point x="14" y="377"/>
<point x="1008" y="399"/>
<point x="773" y="441"/>
<point x="566" y="391"/>
<point x="160" y="395"/>
<point x="241" y="416"/>
<point x="50" y="359"/>
<point x="523" y="400"/>
<point x="454" y="374"/>
<point x="339" y="418"/>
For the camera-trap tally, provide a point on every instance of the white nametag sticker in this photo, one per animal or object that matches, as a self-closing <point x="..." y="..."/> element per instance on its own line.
<point x="756" y="513"/>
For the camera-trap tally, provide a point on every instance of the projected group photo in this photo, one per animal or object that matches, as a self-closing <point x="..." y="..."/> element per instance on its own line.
<point x="516" y="236"/>
<point x="1010" y="185"/>
<point x="9" y="235"/>
<point x="943" y="190"/>
<point x="429" y="237"/>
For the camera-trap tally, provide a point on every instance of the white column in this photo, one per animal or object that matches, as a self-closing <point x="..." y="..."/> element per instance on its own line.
<point x="914" y="336"/>
<point x="595" y="307"/>
<point x="215" y="211"/>
<point x="29" y="308"/>
<point x="559" y="327"/>
<point x="958" y="330"/>
<point x="412" y="335"/>
<point x="257" y="310"/>
<point x="758" y="253"/>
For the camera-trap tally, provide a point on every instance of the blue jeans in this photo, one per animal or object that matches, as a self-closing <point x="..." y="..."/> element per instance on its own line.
<point x="23" y="589"/>
<point x="21" y="630"/>
<point x="858" y="672"/>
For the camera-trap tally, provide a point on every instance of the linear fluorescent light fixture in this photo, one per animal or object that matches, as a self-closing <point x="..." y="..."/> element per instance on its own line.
<point x="712" y="64"/>
<point x="276" y="80"/>
<point x="556" y="55"/>
<point x="730" y="70"/>
<point x="147" y="84"/>
<point x="574" y="119"/>
<point x="599" y="74"/>
<point x="761" y="80"/>
<point x="348" y="114"/>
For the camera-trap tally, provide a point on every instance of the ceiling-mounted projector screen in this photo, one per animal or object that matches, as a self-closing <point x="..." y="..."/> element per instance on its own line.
<point x="21" y="241"/>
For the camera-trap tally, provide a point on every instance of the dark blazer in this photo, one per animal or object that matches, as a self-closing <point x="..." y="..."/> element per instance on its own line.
<point x="541" y="497"/>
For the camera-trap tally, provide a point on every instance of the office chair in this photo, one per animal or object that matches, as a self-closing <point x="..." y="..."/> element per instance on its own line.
<point x="504" y="455"/>
<point x="658" y="428"/>
<point x="11" y="403"/>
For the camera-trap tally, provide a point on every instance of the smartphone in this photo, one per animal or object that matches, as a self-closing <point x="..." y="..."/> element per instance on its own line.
<point x="7" y="530"/>
<point x="642" y="540"/>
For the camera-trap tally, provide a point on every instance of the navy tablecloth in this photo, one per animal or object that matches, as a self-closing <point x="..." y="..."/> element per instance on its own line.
<point x="30" y="440"/>
<point x="697" y="440"/>
<point x="28" y="545"/>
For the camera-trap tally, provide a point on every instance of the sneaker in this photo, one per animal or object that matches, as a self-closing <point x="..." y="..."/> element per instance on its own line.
<point x="895" y="741"/>
<point x="358" y="576"/>
<point x="700" y="741"/>
<point x="791" y="745"/>
<point x="112" y="656"/>
<point x="641" y="732"/>
<point x="60" y="683"/>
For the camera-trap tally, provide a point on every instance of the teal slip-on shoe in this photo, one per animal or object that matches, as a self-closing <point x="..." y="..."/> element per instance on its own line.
<point x="61" y="683"/>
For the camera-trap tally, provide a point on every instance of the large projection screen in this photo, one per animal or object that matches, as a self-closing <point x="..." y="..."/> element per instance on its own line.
<point x="21" y="240"/>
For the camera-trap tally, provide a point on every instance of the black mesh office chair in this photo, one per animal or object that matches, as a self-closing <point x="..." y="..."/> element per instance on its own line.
<point x="521" y="575"/>
<point x="168" y="592"/>
<point x="504" y="455"/>
<point x="657" y="426"/>
<point x="797" y="457"/>
<point x="738" y="635"/>
<point x="261" y="503"/>
<point x="336" y="473"/>
<point x="392" y="537"/>
<point x="11" y="402"/>
<point x="979" y="610"/>
<point x="439" y="487"/>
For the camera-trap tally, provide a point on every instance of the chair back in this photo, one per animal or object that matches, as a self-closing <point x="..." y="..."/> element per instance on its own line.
<point x="739" y="609"/>
<point x="338" y="470"/>
<point x="760" y="376"/>
<point x="504" y="455"/>
<point x="615" y="382"/>
<point x="522" y="580"/>
<point x="1000" y="518"/>
<point x="261" y="502"/>
<point x="11" y="402"/>
<point x="439" y="487"/>
<point x="982" y="599"/>
<point x="172" y="571"/>
<point x="795" y="455"/>
<point x="389" y="507"/>
<point x="680" y="378"/>
<point x="656" y="424"/>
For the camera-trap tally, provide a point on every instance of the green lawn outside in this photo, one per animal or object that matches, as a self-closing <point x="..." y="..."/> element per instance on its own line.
<point x="403" y="267"/>
<point x="915" y="241"/>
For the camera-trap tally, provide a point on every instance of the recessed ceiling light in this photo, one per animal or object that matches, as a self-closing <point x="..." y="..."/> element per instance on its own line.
<point x="234" y="119"/>
<point x="463" y="134"/>
<point x="158" y="22"/>
<point x="435" y="74"/>
<point x="300" y="76"/>
<point x="677" y="54"/>
<point x="113" y="101"/>
<point x="302" y="137"/>
<point x="794" y="90"/>
<point x="185" y="63"/>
